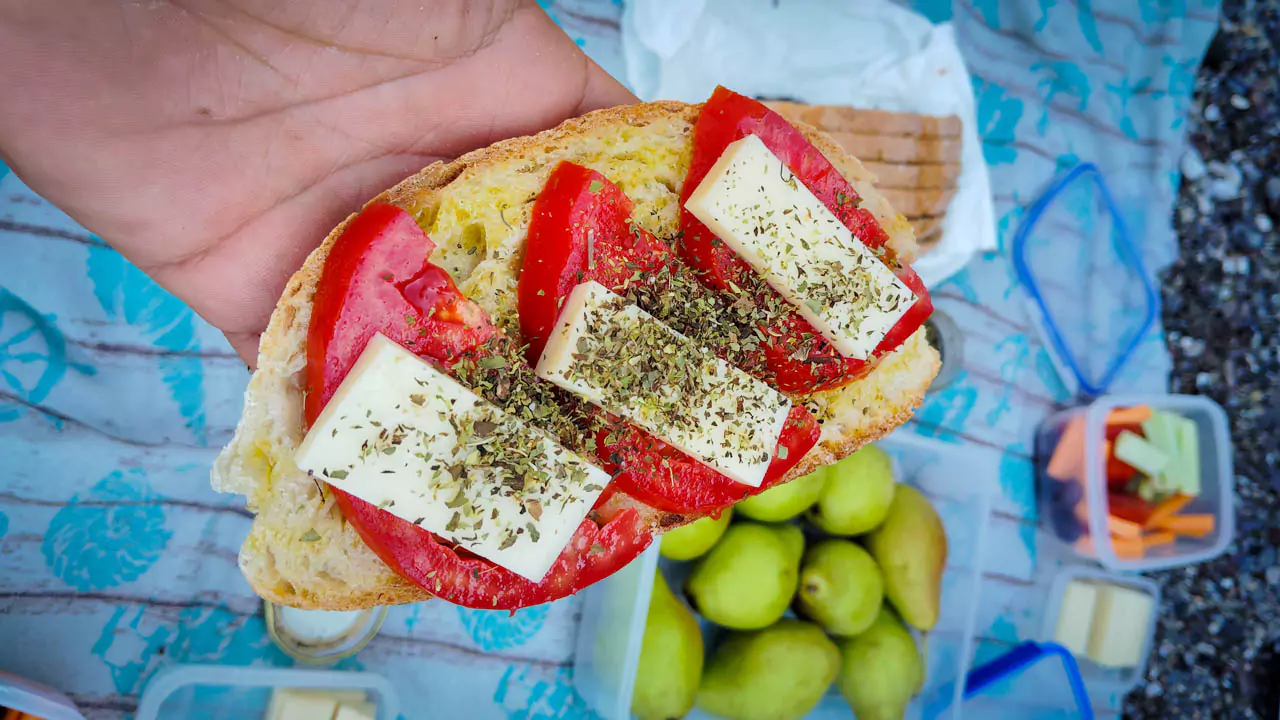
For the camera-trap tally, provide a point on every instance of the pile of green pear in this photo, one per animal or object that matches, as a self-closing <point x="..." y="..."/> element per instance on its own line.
<point x="855" y="556"/>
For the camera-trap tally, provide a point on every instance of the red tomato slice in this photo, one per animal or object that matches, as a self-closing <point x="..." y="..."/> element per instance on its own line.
<point x="801" y="359"/>
<point x="662" y="476"/>
<point x="593" y="554"/>
<point x="582" y="230"/>
<point x="377" y="279"/>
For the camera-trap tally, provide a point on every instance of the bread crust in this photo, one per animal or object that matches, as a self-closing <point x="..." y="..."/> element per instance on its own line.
<point x="275" y="392"/>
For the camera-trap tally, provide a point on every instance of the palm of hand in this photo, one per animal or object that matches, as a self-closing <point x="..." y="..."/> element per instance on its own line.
<point x="216" y="142"/>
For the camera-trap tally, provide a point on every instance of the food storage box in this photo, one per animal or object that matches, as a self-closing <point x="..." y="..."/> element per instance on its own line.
<point x="614" y="611"/>
<point x="1043" y="690"/>
<point x="1119" y="680"/>
<point x="219" y="692"/>
<point x="1092" y="299"/>
<point x="30" y="697"/>
<point x="1075" y="511"/>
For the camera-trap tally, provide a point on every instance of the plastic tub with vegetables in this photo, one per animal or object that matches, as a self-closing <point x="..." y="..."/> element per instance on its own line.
<point x="216" y="692"/>
<point x="1138" y="483"/>
<point x="855" y="586"/>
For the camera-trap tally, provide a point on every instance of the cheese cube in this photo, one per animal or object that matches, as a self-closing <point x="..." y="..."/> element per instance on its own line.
<point x="356" y="711"/>
<point x="624" y="360"/>
<point x="403" y="436"/>
<point x="1075" y="616"/>
<point x="1120" y="623"/>
<point x="290" y="704"/>
<point x="753" y="203"/>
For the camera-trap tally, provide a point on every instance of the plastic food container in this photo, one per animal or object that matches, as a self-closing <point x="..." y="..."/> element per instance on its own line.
<point x="1121" y="680"/>
<point x="23" y="695"/>
<point x="1092" y="296"/>
<point x="1086" y="534"/>
<point x="219" y="692"/>
<point x="614" y="611"/>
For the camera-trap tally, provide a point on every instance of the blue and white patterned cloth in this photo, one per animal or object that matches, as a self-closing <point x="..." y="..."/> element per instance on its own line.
<point x="116" y="559"/>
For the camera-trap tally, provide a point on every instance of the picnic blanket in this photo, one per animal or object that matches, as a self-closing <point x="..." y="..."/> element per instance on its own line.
<point x="116" y="559"/>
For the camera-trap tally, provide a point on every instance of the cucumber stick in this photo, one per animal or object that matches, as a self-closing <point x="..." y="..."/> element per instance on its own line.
<point x="1189" y="455"/>
<point x="1140" y="454"/>
<point x="1178" y="438"/>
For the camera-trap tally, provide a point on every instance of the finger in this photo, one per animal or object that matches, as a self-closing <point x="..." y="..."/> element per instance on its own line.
<point x="246" y="346"/>
<point x="602" y="90"/>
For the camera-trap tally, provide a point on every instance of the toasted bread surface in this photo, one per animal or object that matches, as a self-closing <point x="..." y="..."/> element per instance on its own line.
<point x="477" y="209"/>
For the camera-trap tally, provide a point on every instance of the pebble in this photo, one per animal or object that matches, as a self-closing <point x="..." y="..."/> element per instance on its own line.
<point x="1212" y="114"/>
<point x="1192" y="347"/>
<point x="1235" y="265"/>
<point x="1263" y="223"/>
<point x="1273" y="576"/>
<point x="1272" y="189"/>
<point x="1226" y="181"/>
<point x="1193" y="166"/>
<point x="1239" y="102"/>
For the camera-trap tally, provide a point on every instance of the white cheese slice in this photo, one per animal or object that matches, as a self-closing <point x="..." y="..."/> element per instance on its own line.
<point x="1075" y="616"/>
<point x="409" y="439"/>
<point x="752" y="202"/>
<point x="356" y="711"/>
<point x="1120" y="624"/>
<point x="290" y="704"/>
<point x="624" y="360"/>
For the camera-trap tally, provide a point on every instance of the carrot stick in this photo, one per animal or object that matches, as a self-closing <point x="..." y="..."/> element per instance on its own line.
<point x="1127" y="548"/>
<point x="1167" y="508"/>
<point x="1192" y="525"/>
<point x="1067" y="462"/>
<point x="1128" y="416"/>
<point x="1122" y="528"/>
<point x="1155" y="539"/>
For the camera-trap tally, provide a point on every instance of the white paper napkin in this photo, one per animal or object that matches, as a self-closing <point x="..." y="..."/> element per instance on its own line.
<point x="869" y="54"/>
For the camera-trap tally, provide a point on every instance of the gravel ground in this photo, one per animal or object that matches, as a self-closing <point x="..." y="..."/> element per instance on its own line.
<point x="1217" y="650"/>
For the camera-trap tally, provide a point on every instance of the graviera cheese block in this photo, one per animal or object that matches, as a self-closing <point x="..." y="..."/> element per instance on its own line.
<point x="299" y="550"/>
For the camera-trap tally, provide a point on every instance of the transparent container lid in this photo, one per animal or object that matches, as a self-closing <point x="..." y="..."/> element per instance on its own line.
<point x="1092" y="298"/>
<point x="222" y="692"/>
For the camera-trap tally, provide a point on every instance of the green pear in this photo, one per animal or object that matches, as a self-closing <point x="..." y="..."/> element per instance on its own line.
<point x="785" y="501"/>
<point x="911" y="549"/>
<point x="747" y="580"/>
<point x="840" y="587"/>
<point x="779" y="673"/>
<point x="880" y="669"/>
<point x="689" y="541"/>
<point x="793" y="538"/>
<point x="856" y="494"/>
<point x="670" y="660"/>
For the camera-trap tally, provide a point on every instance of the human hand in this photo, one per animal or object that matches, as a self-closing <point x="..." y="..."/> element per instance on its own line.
<point x="216" y="142"/>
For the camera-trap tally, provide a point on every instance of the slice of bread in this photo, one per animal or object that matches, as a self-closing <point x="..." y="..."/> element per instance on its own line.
<point x="914" y="177"/>
<point x="920" y="203"/>
<point x="841" y="118"/>
<point x="300" y="551"/>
